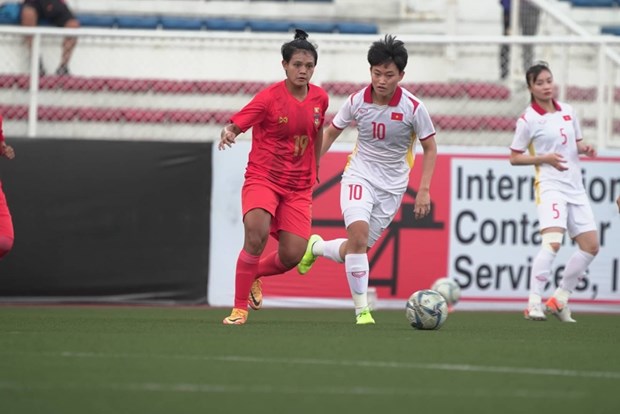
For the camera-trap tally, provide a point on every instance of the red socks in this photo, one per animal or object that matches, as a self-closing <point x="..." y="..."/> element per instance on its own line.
<point x="247" y="269"/>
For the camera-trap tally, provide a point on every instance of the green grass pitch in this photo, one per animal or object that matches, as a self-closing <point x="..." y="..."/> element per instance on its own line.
<point x="183" y="360"/>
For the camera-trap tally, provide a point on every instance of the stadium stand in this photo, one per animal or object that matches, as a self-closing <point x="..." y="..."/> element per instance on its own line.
<point x="10" y="12"/>
<point x="612" y="30"/>
<point x="124" y="90"/>
<point x="120" y="82"/>
<point x="594" y="3"/>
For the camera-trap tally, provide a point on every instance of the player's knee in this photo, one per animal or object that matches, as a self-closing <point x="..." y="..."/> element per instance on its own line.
<point x="591" y="249"/>
<point x="72" y="24"/>
<point x="552" y="241"/>
<point x="255" y="242"/>
<point x="6" y="244"/>
<point x="289" y="259"/>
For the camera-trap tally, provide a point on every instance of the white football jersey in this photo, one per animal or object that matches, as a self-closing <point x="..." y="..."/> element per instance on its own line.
<point x="385" y="149"/>
<point x="540" y="132"/>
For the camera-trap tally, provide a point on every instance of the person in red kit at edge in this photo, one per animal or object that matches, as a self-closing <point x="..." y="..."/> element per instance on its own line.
<point x="287" y="133"/>
<point x="6" y="223"/>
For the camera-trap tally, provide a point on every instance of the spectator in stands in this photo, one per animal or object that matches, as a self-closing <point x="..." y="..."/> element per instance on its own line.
<point x="388" y="119"/>
<point x="287" y="132"/>
<point x="6" y="224"/>
<point x="548" y="136"/>
<point x="59" y="14"/>
<point x="528" y="23"/>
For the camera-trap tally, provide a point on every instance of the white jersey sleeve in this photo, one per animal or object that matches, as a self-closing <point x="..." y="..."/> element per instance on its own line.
<point x="346" y="114"/>
<point x="522" y="136"/>
<point x="576" y="126"/>
<point x="422" y="123"/>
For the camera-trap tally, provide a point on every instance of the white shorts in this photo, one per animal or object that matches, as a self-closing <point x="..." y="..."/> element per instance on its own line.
<point x="573" y="214"/>
<point x="359" y="201"/>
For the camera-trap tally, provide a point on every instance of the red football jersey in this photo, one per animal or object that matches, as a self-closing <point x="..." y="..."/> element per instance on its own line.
<point x="1" y="133"/>
<point x="284" y="131"/>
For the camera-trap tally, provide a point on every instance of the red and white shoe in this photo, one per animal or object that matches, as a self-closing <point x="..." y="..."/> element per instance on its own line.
<point x="534" y="313"/>
<point x="559" y="310"/>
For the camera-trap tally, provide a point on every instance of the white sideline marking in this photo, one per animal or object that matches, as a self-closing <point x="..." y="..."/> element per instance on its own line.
<point x="613" y="375"/>
<point x="279" y="390"/>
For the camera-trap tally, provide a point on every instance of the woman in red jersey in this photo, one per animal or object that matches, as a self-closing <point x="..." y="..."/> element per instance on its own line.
<point x="6" y="224"/>
<point x="287" y="133"/>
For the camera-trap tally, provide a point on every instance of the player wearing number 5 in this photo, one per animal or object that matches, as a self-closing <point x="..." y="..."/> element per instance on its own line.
<point x="287" y="132"/>
<point x="548" y="136"/>
<point x="389" y="122"/>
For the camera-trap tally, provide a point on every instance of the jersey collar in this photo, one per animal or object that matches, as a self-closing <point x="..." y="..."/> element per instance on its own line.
<point x="540" y="109"/>
<point x="398" y="93"/>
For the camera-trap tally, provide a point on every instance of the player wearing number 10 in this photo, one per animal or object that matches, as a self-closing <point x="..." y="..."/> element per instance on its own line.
<point x="550" y="133"/>
<point x="389" y="121"/>
<point x="287" y="120"/>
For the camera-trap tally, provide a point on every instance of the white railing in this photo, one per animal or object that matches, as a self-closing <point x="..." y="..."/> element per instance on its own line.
<point x="588" y="63"/>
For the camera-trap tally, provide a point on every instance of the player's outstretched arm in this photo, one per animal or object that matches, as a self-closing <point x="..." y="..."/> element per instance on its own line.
<point x="423" y="197"/>
<point x="329" y="136"/>
<point x="318" y="145"/>
<point x="586" y="149"/>
<point x="7" y="151"/>
<point x="556" y="160"/>
<point x="228" y="135"/>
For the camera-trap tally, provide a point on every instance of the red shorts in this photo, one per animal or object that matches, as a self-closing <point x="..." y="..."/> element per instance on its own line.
<point x="291" y="211"/>
<point x="6" y="224"/>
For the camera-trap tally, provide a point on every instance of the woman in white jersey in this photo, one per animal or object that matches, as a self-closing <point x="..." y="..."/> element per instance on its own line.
<point x="389" y="120"/>
<point x="548" y="136"/>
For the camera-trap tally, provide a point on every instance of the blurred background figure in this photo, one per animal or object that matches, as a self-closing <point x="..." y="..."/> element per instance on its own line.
<point x="57" y="13"/>
<point x="6" y="223"/>
<point x="528" y="24"/>
<point x="548" y="135"/>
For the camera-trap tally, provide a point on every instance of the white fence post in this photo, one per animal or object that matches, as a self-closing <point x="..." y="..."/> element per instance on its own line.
<point x="35" y="54"/>
<point x="600" y="96"/>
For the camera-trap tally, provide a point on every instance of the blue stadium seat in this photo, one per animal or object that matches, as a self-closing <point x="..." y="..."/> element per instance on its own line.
<point x="181" y="23"/>
<point x="357" y="28"/>
<point x="226" y="24"/>
<point x="593" y="3"/>
<point x="10" y="13"/>
<point x="269" y="26"/>
<point x="612" y="30"/>
<point x="96" y="20"/>
<point x="315" y="27"/>
<point x="137" y="22"/>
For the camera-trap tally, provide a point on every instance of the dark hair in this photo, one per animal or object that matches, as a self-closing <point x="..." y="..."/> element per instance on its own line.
<point x="533" y="72"/>
<point x="300" y="42"/>
<point x="388" y="50"/>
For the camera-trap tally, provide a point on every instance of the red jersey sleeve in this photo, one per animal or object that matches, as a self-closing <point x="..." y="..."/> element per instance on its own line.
<point x="1" y="133"/>
<point x="253" y="113"/>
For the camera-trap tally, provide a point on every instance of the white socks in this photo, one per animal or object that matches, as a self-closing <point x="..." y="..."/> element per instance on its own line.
<point x="541" y="268"/>
<point x="573" y="271"/>
<point x="575" y="268"/>
<point x="329" y="249"/>
<point x="357" y="268"/>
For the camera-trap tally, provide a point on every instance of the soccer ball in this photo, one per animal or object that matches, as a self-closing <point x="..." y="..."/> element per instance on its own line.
<point x="449" y="289"/>
<point x="426" y="309"/>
